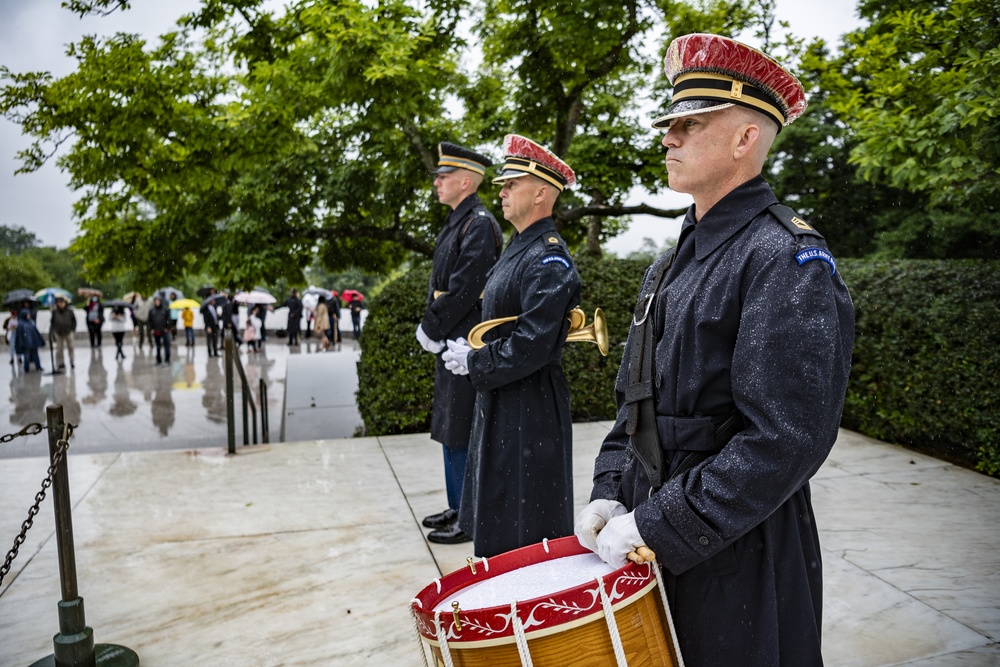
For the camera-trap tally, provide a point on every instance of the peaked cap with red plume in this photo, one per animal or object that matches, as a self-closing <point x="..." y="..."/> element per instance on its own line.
<point x="710" y="72"/>
<point x="523" y="157"/>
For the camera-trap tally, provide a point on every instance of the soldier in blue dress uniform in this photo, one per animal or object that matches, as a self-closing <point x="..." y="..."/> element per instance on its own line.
<point x="519" y="478"/>
<point x="467" y="248"/>
<point x="733" y="379"/>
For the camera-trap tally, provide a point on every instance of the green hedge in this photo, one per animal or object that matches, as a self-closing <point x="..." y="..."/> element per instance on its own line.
<point x="925" y="368"/>
<point x="927" y="357"/>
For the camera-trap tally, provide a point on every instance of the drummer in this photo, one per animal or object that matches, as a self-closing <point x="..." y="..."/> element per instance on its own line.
<point x="733" y="379"/>
<point x="519" y="475"/>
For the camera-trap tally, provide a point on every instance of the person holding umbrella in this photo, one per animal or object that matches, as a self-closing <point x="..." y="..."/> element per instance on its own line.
<point x="28" y="340"/>
<point x="294" y="305"/>
<point x="159" y="324"/>
<point x="95" y="320"/>
<point x="118" y="330"/>
<point x="356" y="307"/>
<point x="210" y="316"/>
<point x="63" y="327"/>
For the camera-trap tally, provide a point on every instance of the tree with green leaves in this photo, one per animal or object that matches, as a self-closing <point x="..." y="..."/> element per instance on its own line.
<point x="16" y="239"/>
<point x="916" y="87"/>
<point x="246" y="142"/>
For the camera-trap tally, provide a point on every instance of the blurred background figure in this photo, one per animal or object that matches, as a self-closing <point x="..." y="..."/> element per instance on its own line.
<point x="28" y="340"/>
<point x="95" y="320"/>
<point x="63" y="326"/>
<point x="118" y="330"/>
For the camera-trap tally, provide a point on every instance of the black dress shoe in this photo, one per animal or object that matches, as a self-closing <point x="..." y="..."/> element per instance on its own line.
<point x="450" y="534"/>
<point x="441" y="519"/>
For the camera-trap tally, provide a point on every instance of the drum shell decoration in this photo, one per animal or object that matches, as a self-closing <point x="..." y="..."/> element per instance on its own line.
<point x="561" y="627"/>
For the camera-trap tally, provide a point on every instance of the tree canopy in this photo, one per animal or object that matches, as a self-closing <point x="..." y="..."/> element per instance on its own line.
<point x="246" y="143"/>
<point x="916" y="87"/>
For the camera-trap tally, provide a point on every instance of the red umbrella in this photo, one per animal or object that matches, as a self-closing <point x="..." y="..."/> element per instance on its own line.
<point x="348" y="295"/>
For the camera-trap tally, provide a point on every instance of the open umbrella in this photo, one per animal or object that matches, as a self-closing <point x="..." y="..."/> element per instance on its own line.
<point x="258" y="288"/>
<point x="89" y="292"/>
<point x="18" y="296"/>
<point x="132" y="296"/>
<point x="205" y="291"/>
<point x="348" y="295"/>
<point x="180" y="304"/>
<point x="319" y="291"/>
<point x="165" y="293"/>
<point x="254" y="297"/>
<point x="117" y="303"/>
<point x="47" y="297"/>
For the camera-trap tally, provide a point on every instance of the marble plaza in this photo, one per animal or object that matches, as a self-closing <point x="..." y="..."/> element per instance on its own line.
<point x="308" y="553"/>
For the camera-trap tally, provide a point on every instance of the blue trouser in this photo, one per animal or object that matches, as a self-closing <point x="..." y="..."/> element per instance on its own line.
<point x="32" y="357"/>
<point x="454" y="473"/>
<point x="164" y="340"/>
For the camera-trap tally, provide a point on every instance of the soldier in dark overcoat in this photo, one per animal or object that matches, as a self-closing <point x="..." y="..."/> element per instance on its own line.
<point x="732" y="383"/>
<point x="519" y="478"/>
<point x="467" y="248"/>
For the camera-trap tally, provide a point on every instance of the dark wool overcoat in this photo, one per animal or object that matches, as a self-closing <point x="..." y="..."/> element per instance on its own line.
<point x="752" y="319"/>
<point x="467" y="248"/>
<point x="519" y="476"/>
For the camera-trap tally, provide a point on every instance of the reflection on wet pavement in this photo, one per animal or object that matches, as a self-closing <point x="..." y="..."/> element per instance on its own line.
<point x="135" y="404"/>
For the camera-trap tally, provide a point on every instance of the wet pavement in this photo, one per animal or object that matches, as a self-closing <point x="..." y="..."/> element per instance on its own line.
<point x="135" y="404"/>
<point x="308" y="553"/>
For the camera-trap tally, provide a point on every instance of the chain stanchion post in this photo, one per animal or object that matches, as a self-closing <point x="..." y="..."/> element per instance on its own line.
<point x="74" y="644"/>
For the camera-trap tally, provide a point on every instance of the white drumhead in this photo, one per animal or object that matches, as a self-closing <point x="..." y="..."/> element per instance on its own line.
<point x="529" y="582"/>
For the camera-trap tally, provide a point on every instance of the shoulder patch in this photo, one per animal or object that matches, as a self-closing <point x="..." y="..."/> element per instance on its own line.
<point x="791" y="220"/>
<point x="809" y="254"/>
<point x="556" y="258"/>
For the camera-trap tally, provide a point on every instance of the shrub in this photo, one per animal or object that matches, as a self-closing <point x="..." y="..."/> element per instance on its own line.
<point x="924" y="374"/>
<point x="927" y="357"/>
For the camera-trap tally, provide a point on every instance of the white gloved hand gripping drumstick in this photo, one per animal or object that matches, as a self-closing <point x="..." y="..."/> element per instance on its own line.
<point x="594" y="517"/>
<point x="619" y="542"/>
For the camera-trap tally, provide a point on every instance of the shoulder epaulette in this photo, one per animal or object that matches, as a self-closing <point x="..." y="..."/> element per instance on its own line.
<point x="791" y="220"/>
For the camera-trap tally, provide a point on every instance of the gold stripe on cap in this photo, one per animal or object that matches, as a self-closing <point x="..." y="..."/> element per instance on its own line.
<point x="452" y="161"/>
<point x="735" y="93"/>
<point x="533" y="169"/>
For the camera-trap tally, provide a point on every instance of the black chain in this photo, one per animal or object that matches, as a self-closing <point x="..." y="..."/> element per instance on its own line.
<point x="30" y="429"/>
<point x="61" y="446"/>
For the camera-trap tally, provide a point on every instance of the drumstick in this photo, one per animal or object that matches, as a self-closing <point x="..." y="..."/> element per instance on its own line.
<point x="642" y="555"/>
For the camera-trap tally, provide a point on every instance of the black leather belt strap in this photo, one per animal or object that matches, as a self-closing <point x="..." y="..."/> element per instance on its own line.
<point x="641" y="417"/>
<point x="641" y="420"/>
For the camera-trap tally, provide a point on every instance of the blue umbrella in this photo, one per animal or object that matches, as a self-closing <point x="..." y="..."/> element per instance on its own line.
<point x="47" y="297"/>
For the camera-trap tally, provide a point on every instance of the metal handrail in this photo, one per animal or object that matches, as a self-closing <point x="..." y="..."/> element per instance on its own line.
<point x="233" y="360"/>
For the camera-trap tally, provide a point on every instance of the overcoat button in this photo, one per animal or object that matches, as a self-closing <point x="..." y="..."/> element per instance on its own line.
<point x="703" y="541"/>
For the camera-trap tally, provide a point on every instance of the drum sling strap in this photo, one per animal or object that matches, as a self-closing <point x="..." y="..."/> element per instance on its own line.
<point x="640" y="421"/>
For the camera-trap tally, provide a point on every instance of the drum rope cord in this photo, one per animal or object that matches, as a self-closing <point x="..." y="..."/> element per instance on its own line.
<point x="416" y="628"/>
<point x="609" y="617"/>
<point x="666" y="610"/>
<point x="522" y="641"/>
<point x="442" y="636"/>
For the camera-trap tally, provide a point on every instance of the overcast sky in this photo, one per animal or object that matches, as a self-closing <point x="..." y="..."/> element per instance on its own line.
<point x="34" y="35"/>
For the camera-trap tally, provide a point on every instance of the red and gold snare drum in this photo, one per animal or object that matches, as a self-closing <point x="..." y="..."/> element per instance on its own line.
<point x="548" y="604"/>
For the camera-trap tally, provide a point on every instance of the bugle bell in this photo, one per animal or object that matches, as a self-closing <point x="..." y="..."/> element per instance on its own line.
<point x="595" y="332"/>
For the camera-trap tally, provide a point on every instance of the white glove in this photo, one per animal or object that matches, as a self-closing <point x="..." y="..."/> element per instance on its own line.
<point x="619" y="537"/>
<point x="593" y="518"/>
<point x="456" y="357"/>
<point x="432" y="346"/>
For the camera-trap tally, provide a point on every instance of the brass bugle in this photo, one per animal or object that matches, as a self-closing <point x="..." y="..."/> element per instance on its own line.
<point x="596" y="332"/>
